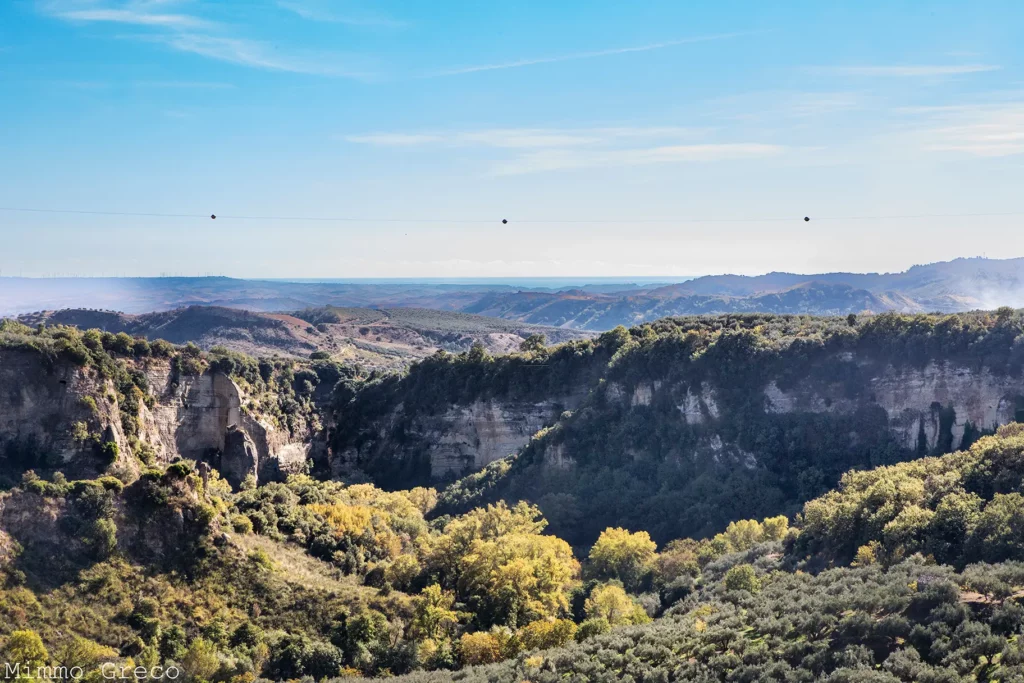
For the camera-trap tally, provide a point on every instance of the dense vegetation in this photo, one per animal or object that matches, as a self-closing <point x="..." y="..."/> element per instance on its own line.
<point x="746" y="608"/>
<point x="910" y="571"/>
<point x="322" y="579"/>
<point x="641" y="464"/>
<point x="300" y="578"/>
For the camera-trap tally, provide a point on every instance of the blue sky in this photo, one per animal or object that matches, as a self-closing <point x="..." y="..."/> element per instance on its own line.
<point x="618" y="138"/>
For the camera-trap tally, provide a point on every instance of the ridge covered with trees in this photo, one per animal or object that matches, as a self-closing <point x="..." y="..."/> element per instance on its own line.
<point x="642" y="463"/>
<point x="909" y="570"/>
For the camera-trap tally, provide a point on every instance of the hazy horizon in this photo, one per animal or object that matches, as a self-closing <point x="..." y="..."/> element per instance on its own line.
<point x="533" y="281"/>
<point x="391" y="139"/>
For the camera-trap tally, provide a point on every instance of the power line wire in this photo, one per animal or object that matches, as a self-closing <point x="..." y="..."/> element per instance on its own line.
<point x="352" y="219"/>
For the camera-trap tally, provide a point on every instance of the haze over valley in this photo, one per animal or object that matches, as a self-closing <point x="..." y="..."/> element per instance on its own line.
<point x="960" y="285"/>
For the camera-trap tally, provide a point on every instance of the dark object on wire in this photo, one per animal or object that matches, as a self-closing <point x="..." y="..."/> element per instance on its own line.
<point x="504" y="221"/>
<point x="213" y="215"/>
<point x="807" y="218"/>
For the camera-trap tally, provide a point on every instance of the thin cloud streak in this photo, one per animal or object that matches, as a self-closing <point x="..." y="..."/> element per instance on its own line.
<point x="534" y="150"/>
<point x="133" y="17"/>
<point x="982" y="130"/>
<point x="519" y="138"/>
<point x="907" y="71"/>
<point x="190" y="34"/>
<point x="584" y="55"/>
<point x="560" y="160"/>
<point x="254" y="54"/>
<point x="317" y="13"/>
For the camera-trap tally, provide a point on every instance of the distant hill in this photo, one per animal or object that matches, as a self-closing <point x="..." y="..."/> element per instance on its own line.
<point x="375" y="338"/>
<point x="600" y="312"/>
<point x="954" y="286"/>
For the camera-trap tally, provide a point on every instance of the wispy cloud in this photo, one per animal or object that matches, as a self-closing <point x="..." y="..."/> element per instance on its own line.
<point x="525" y="138"/>
<point x="557" y="160"/>
<point x="907" y="71"/>
<point x="583" y="55"/>
<point x="782" y="107"/>
<point x="195" y="35"/>
<point x="551" y="149"/>
<point x="134" y="17"/>
<point x="256" y="54"/>
<point x="980" y="130"/>
<point x="316" y="10"/>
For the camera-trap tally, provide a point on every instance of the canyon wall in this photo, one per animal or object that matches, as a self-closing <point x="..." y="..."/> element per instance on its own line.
<point x="937" y="408"/>
<point x="458" y="440"/>
<point x="197" y="417"/>
<point x="924" y="405"/>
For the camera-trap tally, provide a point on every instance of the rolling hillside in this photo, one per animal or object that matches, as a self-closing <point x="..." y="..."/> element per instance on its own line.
<point x="960" y="285"/>
<point x="373" y="338"/>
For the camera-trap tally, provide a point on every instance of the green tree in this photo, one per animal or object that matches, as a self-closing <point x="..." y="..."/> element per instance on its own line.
<point x="535" y="343"/>
<point x="619" y="554"/>
<point x="742" y="577"/>
<point x="613" y="604"/>
<point x="25" y="648"/>
<point x="84" y="653"/>
<point x="545" y="633"/>
<point x="433" y="616"/>
<point x="201" y="660"/>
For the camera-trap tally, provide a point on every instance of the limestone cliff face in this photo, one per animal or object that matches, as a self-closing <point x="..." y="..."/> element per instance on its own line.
<point x="191" y="417"/>
<point x="930" y="407"/>
<point x="461" y="439"/>
<point x="198" y="417"/>
<point x="202" y="418"/>
<point x="473" y="436"/>
<point x="40" y="403"/>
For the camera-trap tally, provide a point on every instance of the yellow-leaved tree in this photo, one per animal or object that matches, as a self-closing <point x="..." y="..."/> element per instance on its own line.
<point x="621" y="555"/>
<point x="612" y="604"/>
<point x="501" y="566"/>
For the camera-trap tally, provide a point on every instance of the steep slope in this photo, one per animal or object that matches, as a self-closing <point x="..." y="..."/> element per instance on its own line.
<point x="753" y="603"/>
<point x="696" y="421"/>
<point x="89" y="403"/>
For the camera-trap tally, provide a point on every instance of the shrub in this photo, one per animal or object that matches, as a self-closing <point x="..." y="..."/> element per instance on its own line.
<point x="241" y="524"/>
<point x="742" y="577"/>
<point x="109" y="450"/>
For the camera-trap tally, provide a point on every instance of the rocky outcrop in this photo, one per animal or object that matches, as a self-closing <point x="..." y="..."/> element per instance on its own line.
<point x="478" y="434"/>
<point x="202" y="418"/>
<point x="197" y="417"/>
<point x="41" y="403"/>
<point x="462" y="439"/>
<point x="240" y="458"/>
<point x="929" y="408"/>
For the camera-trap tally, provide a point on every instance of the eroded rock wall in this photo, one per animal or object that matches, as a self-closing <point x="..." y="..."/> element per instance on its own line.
<point x="40" y="404"/>
<point x="461" y="439"/>
<point x="930" y="407"/>
<point x="189" y="416"/>
<point x="201" y="418"/>
<point x="482" y="432"/>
